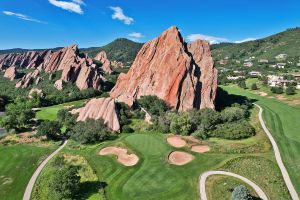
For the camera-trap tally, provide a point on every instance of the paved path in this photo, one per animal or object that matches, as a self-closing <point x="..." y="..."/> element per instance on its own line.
<point x="204" y="176"/>
<point x="283" y="170"/>
<point x="32" y="181"/>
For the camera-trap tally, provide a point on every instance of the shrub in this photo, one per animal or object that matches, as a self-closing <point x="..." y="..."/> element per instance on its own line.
<point x="231" y="114"/>
<point x="241" y="193"/>
<point x="127" y="129"/>
<point x="90" y="131"/>
<point x="234" y="130"/>
<point x="242" y="84"/>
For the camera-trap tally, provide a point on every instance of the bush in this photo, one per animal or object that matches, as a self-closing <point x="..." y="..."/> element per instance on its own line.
<point x="50" y="129"/>
<point x="277" y="90"/>
<point x="90" y="131"/>
<point x="127" y="129"/>
<point x="234" y="130"/>
<point x="241" y="193"/>
<point x="290" y="90"/>
<point x="231" y="114"/>
<point x="242" y="84"/>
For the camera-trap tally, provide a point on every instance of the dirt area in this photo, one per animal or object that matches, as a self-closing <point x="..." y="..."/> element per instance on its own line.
<point x="200" y="148"/>
<point x="176" y="141"/>
<point x="294" y="102"/>
<point x="122" y="155"/>
<point x="263" y="94"/>
<point x="180" y="158"/>
<point x="68" y="107"/>
<point x="281" y="97"/>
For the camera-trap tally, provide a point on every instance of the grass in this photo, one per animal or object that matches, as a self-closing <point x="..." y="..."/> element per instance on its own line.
<point x="220" y="187"/>
<point x="283" y="121"/>
<point x="17" y="164"/>
<point x="50" y="113"/>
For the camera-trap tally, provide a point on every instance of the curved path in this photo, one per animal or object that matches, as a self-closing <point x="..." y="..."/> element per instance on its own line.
<point x="32" y="181"/>
<point x="205" y="175"/>
<point x="283" y="170"/>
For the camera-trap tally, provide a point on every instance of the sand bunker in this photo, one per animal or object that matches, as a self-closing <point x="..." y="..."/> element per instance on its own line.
<point x="122" y="156"/>
<point x="200" y="148"/>
<point x="176" y="141"/>
<point x="263" y="94"/>
<point x="180" y="158"/>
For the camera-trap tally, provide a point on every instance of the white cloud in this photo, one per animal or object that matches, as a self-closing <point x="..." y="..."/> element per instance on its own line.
<point x="211" y="39"/>
<point x="72" y="6"/>
<point x="245" y="40"/>
<point x="119" y="15"/>
<point x="22" y="16"/>
<point x="135" y="35"/>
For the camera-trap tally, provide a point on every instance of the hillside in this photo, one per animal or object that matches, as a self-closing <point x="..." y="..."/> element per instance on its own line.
<point x="122" y="49"/>
<point x="20" y="50"/>
<point x="287" y="42"/>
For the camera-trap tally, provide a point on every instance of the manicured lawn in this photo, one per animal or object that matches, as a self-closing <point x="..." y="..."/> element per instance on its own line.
<point x="154" y="178"/>
<point x="283" y="121"/>
<point x="49" y="113"/>
<point x="17" y="164"/>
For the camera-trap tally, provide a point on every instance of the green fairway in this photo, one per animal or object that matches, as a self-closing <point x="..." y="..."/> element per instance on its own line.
<point x="17" y="164"/>
<point x="49" y="113"/>
<point x="283" y="122"/>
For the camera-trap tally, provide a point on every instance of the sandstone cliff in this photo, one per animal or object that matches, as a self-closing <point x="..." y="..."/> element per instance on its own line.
<point x="106" y="64"/>
<point x="182" y="75"/>
<point x="11" y="73"/>
<point x="102" y="108"/>
<point x="75" y="67"/>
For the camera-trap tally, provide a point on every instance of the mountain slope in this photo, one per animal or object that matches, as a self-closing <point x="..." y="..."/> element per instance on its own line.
<point x="287" y="42"/>
<point x="122" y="49"/>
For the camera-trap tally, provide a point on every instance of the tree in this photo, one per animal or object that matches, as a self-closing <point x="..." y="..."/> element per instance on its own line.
<point x="242" y="84"/>
<point x="277" y="90"/>
<point x="241" y="193"/>
<point x="231" y="114"/>
<point x="66" y="182"/>
<point x="153" y="105"/>
<point x="90" y="131"/>
<point x="50" y="129"/>
<point x="66" y="118"/>
<point x="254" y="86"/>
<point x="290" y="90"/>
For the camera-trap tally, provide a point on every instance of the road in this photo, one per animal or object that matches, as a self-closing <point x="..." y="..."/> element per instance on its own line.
<point x="205" y="175"/>
<point x="283" y="170"/>
<point x="34" y="177"/>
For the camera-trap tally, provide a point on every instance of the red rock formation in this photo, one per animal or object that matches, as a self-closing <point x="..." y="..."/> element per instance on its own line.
<point x="37" y="91"/>
<point x="74" y="67"/>
<point x="182" y="75"/>
<point x="102" y="108"/>
<point x="11" y="73"/>
<point x="117" y="64"/>
<point x="102" y="57"/>
<point x="27" y="79"/>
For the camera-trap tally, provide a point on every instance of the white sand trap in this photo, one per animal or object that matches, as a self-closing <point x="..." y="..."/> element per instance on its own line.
<point x="176" y="141"/>
<point x="180" y="158"/>
<point x="122" y="156"/>
<point x="200" y="148"/>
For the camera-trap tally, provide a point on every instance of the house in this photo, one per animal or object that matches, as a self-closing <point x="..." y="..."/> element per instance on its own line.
<point x="248" y="64"/>
<point x="281" y="57"/>
<point x="255" y="73"/>
<point x="237" y="72"/>
<point x="298" y="86"/>
<point x="281" y="65"/>
<point x="298" y="64"/>
<point x="234" y="78"/>
<point x="263" y="61"/>
<point x="278" y="81"/>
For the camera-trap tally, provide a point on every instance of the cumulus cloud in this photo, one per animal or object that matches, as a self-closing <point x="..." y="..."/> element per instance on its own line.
<point x="22" y="16"/>
<point x="245" y="40"/>
<point x="72" y="6"/>
<point x="211" y="39"/>
<point x="119" y="15"/>
<point x="135" y="35"/>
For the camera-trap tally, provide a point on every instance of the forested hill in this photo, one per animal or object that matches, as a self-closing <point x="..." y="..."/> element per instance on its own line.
<point x="287" y="42"/>
<point x="122" y="49"/>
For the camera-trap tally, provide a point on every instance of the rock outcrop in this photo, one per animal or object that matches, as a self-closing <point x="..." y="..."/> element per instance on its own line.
<point x="75" y="67"/>
<point x="11" y="73"/>
<point x="117" y="64"/>
<point x="37" y="91"/>
<point x="106" y="65"/>
<point x="28" y="79"/>
<point x="102" y="108"/>
<point x="181" y="74"/>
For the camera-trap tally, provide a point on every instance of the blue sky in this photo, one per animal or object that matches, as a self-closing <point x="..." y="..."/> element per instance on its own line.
<point x="52" y="23"/>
